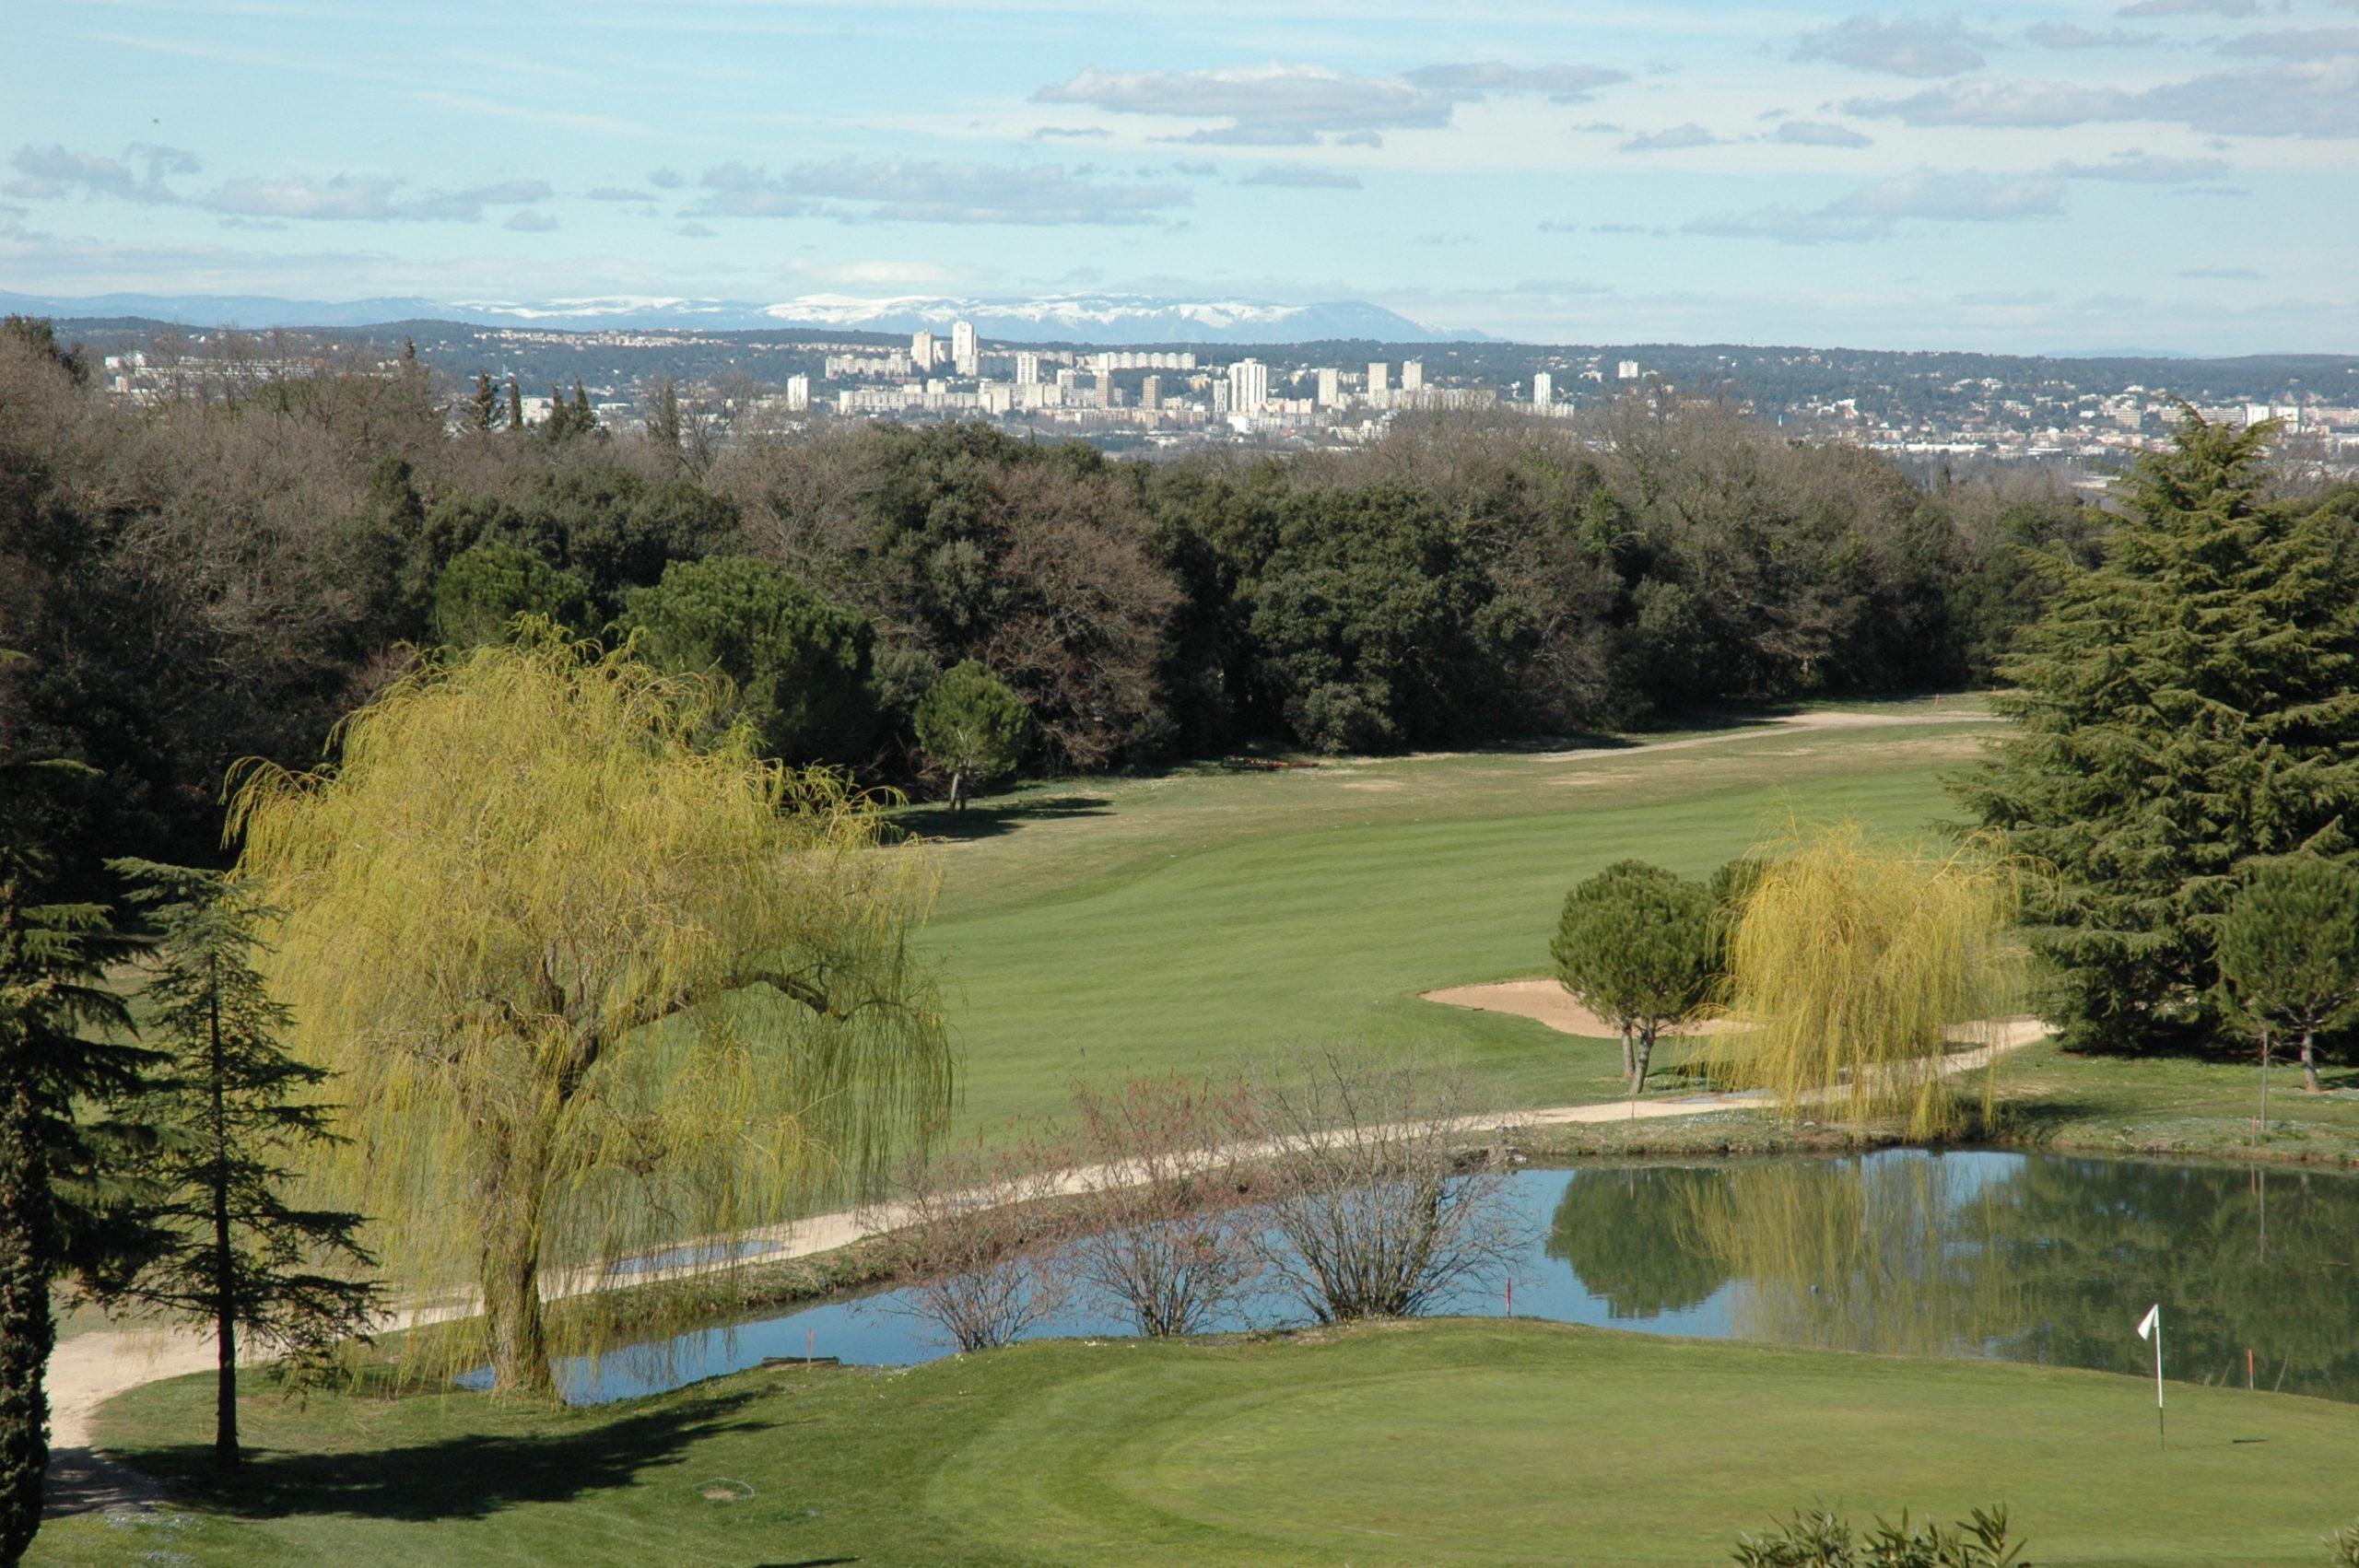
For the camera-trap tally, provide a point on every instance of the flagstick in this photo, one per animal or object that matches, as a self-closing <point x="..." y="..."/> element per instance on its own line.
<point x="2160" y="1441"/>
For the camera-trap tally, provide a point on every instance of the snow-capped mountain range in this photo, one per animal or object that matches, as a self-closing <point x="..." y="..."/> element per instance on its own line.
<point x="1116" y="319"/>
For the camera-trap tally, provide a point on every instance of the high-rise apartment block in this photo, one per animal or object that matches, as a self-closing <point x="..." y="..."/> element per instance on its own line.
<point x="798" y="394"/>
<point x="1027" y="369"/>
<point x="1249" y="386"/>
<point x="1380" y="377"/>
<point x="1330" y="395"/>
<point x="1413" y="375"/>
<point x="1543" y="389"/>
<point x="922" y="357"/>
<point x="964" y="357"/>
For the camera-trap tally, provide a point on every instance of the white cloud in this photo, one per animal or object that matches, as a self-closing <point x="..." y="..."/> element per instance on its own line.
<point x="2070" y="35"/>
<point x="2144" y="168"/>
<point x="2316" y="98"/>
<point x="1302" y="178"/>
<point x="918" y="191"/>
<point x="1301" y="105"/>
<point x="1679" y="136"/>
<point x="1872" y="211"/>
<point x="1931" y="46"/>
<point x="2191" y="9"/>
<point x="1817" y="133"/>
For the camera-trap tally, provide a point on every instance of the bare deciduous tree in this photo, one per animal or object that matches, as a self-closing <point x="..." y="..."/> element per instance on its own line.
<point x="1378" y="1200"/>
<point x="1171" y="1242"/>
<point x="976" y="1244"/>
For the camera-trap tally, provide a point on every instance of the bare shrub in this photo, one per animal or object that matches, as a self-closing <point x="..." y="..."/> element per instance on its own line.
<point x="1171" y="1243"/>
<point x="1377" y="1199"/>
<point x="976" y="1244"/>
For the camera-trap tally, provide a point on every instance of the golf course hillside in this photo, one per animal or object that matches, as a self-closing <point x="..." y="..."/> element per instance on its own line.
<point x="1446" y="1441"/>
<point x="1194" y="922"/>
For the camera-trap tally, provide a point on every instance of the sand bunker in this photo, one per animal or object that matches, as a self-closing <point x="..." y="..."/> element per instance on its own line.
<point x="1545" y="1001"/>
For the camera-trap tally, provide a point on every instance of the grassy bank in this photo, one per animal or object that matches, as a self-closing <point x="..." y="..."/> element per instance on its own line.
<point x="1457" y="1441"/>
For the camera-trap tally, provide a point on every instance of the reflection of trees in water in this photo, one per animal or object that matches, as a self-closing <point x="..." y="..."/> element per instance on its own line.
<point x="2267" y="1261"/>
<point x="1626" y="1232"/>
<point x="1884" y="1254"/>
<point x="2038" y="1259"/>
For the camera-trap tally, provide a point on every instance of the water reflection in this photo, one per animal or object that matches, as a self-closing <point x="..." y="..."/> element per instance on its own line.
<point x="2023" y="1258"/>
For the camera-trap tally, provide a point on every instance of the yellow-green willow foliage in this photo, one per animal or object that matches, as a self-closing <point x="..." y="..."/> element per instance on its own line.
<point x="1853" y="966"/>
<point x="1898" y="1256"/>
<point x="590" y="990"/>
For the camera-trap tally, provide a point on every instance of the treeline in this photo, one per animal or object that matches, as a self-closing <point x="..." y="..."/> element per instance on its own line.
<point x="194" y="583"/>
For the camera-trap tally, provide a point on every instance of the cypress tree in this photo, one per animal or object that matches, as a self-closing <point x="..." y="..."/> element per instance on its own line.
<point x="230" y="1110"/>
<point x="61" y="1205"/>
<point x="515" y="406"/>
<point x="485" y="406"/>
<point x="2185" y="706"/>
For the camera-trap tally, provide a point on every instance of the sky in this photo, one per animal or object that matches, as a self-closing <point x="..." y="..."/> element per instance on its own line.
<point x="2056" y="176"/>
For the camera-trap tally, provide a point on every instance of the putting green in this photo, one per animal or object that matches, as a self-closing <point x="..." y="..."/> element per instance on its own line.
<point x="1459" y="1441"/>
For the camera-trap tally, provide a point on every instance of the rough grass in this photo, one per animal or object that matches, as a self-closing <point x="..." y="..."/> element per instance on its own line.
<point x="1464" y="1440"/>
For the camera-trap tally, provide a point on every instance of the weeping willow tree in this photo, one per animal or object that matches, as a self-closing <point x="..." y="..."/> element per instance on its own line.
<point x="1852" y="966"/>
<point x="592" y="992"/>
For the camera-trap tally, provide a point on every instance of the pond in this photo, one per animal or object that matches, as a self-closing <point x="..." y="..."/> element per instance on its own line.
<point x="2032" y="1258"/>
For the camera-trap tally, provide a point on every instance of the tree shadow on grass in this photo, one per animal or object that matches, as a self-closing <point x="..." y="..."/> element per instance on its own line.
<point x="989" y="820"/>
<point x="469" y="1476"/>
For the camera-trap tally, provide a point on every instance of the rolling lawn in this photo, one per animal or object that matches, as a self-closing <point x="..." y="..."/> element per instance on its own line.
<point x="1197" y="920"/>
<point x="1453" y="1441"/>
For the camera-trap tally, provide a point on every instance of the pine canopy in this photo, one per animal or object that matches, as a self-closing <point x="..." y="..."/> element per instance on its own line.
<point x="2186" y="706"/>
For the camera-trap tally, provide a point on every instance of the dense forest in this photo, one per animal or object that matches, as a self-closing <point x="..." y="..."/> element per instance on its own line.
<point x="190" y="583"/>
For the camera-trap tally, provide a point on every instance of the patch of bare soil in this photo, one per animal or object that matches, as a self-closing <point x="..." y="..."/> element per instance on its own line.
<point x="1545" y="1001"/>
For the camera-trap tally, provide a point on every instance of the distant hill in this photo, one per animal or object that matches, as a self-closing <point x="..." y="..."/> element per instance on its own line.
<point x="1117" y="320"/>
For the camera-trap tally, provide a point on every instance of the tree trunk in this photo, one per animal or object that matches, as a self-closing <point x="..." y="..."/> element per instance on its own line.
<point x="958" y="790"/>
<point x="225" y="1291"/>
<point x="2310" y="1085"/>
<point x="1646" y="1056"/>
<point x="1629" y="1058"/>
<point x="511" y="1191"/>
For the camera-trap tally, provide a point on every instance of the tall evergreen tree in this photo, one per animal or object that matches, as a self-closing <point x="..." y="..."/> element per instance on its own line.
<point x="232" y="1109"/>
<point x="515" y="406"/>
<point x="663" y="428"/>
<point x="2188" y="704"/>
<point x="61" y="1205"/>
<point x="484" y="408"/>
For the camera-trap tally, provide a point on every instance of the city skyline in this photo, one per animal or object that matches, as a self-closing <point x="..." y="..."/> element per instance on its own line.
<point x="2164" y="174"/>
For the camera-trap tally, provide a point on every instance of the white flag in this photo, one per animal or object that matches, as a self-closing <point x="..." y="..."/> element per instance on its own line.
<point x="2146" y="1324"/>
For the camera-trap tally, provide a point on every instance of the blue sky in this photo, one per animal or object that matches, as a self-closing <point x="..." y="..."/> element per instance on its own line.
<point x="2180" y="174"/>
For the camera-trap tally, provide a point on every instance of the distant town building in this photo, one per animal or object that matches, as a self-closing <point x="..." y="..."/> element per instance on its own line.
<point x="1379" y="378"/>
<point x="964" y="358"/>
<point x="798" y="394"/>
<point x="1413" y="375"/>
<point x="1151" y="393"/>
<point x="1543" y="390"/>
<point x="1027" y="369"/>
<point x="1249" y="386"/>
<point x="1331" y="393"/>
<point x="922" y="351"/>
<point x="1143" y="359"/>
<point x="1627" y="371"/>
